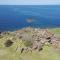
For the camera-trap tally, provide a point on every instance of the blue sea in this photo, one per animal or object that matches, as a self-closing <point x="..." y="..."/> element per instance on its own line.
<point x="13" y="17"/>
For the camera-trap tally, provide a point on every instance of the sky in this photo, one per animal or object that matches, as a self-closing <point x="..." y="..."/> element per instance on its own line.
<point x="29" y="2"/>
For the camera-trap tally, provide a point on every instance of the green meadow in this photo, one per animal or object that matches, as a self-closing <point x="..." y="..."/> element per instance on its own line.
<point x="55" y="30"/>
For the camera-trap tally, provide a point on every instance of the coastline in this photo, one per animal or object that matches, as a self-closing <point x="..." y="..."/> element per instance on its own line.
<point x="29" y="32"/>
<point x="53" y="30"/>
<point x="30" y="42"/>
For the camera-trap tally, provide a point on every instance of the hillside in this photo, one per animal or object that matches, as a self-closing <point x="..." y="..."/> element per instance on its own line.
<point x="30" y="44"/>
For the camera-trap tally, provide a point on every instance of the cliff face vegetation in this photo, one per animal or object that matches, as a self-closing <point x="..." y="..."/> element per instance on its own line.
<point x="29" y="43"/>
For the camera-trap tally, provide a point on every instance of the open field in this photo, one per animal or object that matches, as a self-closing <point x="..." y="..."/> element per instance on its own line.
<point x="55" y="30"/>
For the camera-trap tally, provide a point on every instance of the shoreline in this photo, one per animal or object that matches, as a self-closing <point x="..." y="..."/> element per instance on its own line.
<point x="50" y="29"/>
<point x="31" y="42"/>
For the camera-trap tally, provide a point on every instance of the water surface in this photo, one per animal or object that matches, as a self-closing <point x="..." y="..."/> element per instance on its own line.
<point x="15" y="17"/>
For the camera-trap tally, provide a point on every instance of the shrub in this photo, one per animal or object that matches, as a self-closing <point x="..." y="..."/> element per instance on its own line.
<point x="8" y="43"/>
<point x="28" y="43"/>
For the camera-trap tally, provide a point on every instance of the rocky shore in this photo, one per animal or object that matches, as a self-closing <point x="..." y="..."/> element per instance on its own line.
<point x="29" y="39"/>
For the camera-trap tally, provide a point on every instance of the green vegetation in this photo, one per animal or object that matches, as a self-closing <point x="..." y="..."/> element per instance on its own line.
<point x="48" y="53"/>
<point x="28" y="43"/>
<point x="8" y="43"/>
<point x="55" y="30"/>
<point x="13" y="53"/>
<point x="10" y="53"/>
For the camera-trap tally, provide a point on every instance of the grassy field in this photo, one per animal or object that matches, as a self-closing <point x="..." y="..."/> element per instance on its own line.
<point x="48" y="53"/>
<point x="55" y="30"/>
<point x="10" y="53"/>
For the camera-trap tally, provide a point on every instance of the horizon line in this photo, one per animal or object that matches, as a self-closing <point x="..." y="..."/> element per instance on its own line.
<point x="29" y="4"/>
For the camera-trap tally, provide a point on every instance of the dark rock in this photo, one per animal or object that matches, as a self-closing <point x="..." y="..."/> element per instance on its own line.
<point x="40" y="49"/>
<point x="22" y="50"/>
<point x="0" y="32"/>
<point x="48" y="38"/>
<point x="8" y="43"/>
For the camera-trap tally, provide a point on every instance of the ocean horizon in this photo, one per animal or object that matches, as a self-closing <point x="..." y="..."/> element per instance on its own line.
<point x="14" y="17"/>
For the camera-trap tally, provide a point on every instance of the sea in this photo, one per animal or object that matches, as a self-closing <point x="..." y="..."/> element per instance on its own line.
<point x="14" y="17"/>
